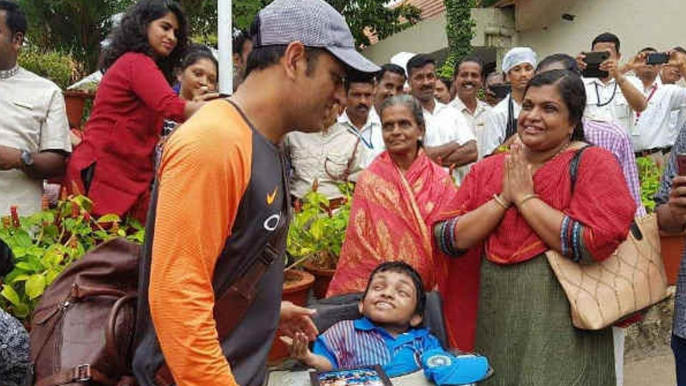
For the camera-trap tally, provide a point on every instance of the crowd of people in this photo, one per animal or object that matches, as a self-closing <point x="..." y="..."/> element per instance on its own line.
<point x="465" y="181"/>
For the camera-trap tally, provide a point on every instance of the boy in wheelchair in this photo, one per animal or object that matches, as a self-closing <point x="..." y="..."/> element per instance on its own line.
<point x="389" y="334"/>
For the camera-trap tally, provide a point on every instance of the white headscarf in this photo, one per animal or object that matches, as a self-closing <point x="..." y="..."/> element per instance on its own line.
<point x="517" y="56"/>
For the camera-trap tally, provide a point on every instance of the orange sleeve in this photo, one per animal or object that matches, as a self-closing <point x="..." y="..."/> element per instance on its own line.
<point x="204" y="172"/>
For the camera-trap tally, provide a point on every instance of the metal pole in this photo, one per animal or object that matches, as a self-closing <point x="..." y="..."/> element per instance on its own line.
<point x="225" y="40"/>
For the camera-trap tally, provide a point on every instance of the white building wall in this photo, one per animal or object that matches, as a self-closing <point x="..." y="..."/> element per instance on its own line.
<point x="638" y="23"/>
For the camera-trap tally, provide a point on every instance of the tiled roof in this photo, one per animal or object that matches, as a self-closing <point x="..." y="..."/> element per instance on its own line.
<point x="429" y="8"/>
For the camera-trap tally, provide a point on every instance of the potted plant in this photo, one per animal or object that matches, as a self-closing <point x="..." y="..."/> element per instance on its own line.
<point x="75" y="101"/>
<point x="47" y="242"/>
<point x="316" y="235"/>
<point x="672" y="245"/>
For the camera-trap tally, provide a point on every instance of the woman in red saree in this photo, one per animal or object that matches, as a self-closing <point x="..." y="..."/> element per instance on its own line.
<point x="513" y="208"/>
<point x="396" y="200"/>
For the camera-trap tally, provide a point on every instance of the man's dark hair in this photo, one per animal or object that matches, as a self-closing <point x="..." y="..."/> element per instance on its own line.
<point x="573" y="93"/>
<point x="240" y="37"/>
<point x="418" y="61"/>
<point x="567" y="62"/>
<point x="358" y="77"/>
<point x="405" y="269"/>
<point x="469" y="59"/>
<point x="15" y="18"/>
<point x="647" y="49"/>
<point x="131" y="35"/>
<point x="267" y="56"/>
<point x="390" y="67"/>
<point x="607" y="37"/>
<point x="680" y="49"/>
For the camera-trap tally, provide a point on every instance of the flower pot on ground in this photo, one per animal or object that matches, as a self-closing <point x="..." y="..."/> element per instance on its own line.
<point x="296" y="286"/>
<point x="75" y="101"/>
<point x="672" y="247"/>
<point x="322" y="272"/>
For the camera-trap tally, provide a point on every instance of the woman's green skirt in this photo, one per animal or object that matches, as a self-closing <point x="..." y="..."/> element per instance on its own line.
<point x="524" y="328"/>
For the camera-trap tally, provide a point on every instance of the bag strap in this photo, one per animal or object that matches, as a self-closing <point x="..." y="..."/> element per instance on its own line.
<point x="574" y="166"/>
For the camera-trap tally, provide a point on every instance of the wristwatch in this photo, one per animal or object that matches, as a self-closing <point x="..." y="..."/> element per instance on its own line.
<point x="26" y="158"/>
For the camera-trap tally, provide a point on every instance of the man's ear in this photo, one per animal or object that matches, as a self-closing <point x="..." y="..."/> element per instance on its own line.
<point x="294" y="56"/>
<point x="416" y="320"/>
<point x="360" y="307"/>
<point x="18" y="39"/>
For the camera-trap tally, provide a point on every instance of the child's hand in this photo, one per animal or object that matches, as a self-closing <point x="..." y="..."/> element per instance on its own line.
<point x="298" y="347"/>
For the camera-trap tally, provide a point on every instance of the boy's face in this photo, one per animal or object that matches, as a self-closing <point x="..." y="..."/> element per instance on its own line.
<point x="391" y="300"/>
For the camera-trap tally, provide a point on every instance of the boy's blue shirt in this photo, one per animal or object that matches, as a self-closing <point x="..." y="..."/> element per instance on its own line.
<point x="361" y="342"/>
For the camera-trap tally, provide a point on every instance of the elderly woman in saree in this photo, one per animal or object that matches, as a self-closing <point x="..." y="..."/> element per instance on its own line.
<point x="512" y="209"/>
<point x="396" y="199"/>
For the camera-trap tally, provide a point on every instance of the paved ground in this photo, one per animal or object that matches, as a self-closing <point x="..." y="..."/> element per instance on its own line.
<point x="648" y="359"/>
<point x="656" y="370"/>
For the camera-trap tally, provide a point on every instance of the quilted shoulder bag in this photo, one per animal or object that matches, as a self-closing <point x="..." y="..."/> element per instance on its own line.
<point x="633" y="278"/>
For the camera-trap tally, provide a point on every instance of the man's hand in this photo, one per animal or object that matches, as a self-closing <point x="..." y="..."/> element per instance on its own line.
<point x="677" y="199"/>
<point x="611" y="66"/>
<point x="10" y="158"/>
<point x="580" y="61"/>
<point x="636" y="62"/>
<point x="295" y="319"/>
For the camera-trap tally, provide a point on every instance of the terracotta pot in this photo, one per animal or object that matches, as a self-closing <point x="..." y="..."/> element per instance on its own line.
<point x="295" y="289"/>
<point x="322" y="278"/>
<point x="76" y="102"/>
<point x="672" y="248"/>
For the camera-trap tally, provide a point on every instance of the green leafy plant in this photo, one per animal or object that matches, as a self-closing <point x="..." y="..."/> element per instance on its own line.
<point x="460" y="31"/>
<point x="59" y="68"/>
<point x="47" y="242"/>
<point x="649" y="175"/>
<point x="317" y="232"/>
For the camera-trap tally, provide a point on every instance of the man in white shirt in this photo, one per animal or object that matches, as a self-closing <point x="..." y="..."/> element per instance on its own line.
<point x="468" y="80"/>
<point x="671" y="75"/>
<point x="338" y="154"/>
<point x="34" y="133"/>
<point x="501" y="122"/>
<point x="651" y="134"/>
<point x="616" y="96"/>
<point x="448" y="140"/>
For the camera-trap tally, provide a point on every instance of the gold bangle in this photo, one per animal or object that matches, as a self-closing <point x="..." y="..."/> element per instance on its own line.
<point x="500" y="201"/>
<point x="526" y="198"/>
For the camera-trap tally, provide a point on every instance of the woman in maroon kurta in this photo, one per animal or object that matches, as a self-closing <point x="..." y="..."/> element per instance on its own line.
<point x="114" y="163"/>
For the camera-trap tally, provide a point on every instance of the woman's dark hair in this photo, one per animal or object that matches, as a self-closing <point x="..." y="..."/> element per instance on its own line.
<point x="405" y="269"/>
<point x="446" y="82"/>
<point x="131" y="35"/>
<point x="573" y="93"/>
<point x="195" y="53"/>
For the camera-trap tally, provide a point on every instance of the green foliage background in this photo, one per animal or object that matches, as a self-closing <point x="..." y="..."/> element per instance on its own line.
<point x="77" y="27"/>
<point x="460" y="31"/>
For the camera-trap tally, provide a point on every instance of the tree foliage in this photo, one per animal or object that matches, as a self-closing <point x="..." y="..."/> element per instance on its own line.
<point x="460" y="31"/>
<point x="360" y="14"/>
<point x="78" y="26"/>
<point x="71" y="26"/>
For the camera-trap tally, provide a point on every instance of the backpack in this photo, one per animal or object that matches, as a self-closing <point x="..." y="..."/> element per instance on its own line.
<point x="82" y="330"/>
